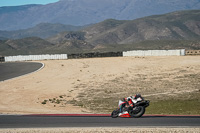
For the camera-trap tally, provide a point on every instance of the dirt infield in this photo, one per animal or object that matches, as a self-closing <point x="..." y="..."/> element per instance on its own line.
<point x="61" y="84"/>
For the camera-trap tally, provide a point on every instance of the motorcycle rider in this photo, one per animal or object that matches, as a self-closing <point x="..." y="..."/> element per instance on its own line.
<point x="130" y="101"/>
<point x="136" y="98"/>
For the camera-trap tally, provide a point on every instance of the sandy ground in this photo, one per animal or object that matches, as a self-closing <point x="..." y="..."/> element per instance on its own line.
<point x="103" y="130"/>
<point x="62" y="78"/>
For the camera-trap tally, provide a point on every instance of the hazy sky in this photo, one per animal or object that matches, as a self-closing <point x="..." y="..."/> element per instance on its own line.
<point x="24" y="2"/>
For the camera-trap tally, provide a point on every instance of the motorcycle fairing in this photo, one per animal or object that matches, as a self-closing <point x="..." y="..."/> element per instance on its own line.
<point x="125" y="114"/>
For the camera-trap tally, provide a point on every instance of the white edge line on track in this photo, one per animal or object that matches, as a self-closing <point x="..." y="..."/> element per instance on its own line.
<point x="43" y="65"/>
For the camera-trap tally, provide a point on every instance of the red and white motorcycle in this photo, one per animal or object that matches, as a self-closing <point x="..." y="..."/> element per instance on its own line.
<point x="136" y="111"/>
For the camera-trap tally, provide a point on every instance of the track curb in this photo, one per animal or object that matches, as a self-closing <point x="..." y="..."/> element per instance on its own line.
<point x="104" y="115"/>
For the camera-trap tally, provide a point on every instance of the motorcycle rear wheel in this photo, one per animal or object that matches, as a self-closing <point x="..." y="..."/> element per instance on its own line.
<point x="114" y="114"/>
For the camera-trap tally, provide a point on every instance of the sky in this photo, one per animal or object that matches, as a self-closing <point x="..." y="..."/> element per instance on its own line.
<point x="24" y="2"/>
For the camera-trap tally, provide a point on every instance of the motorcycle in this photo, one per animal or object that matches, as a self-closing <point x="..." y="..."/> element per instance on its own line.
<point x="135" y="112"/>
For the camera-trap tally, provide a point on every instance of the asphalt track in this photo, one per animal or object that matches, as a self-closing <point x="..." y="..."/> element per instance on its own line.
<point x="41" y="121"/>
<point x="15" y="69"/>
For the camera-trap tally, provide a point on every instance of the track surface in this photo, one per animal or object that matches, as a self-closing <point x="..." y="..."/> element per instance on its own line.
<point x="11" y="70"/>
<point x="11" y="121"/>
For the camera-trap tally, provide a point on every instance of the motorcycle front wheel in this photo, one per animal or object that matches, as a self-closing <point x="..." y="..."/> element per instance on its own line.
<point x="137" y="111"/>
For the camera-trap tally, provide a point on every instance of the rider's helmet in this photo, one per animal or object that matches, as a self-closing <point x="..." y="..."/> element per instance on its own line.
<point x="137" y="96"/>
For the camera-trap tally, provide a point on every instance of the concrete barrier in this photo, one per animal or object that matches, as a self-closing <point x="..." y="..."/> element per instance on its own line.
<point x="35" y="57"/>
<point x="180" y="52"/>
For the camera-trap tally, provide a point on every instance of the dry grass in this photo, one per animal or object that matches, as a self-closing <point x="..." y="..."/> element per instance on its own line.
<point x="174" y="84"/>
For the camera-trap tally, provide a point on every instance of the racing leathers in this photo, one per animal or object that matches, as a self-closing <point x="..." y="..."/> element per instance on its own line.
<point x="135" y="99"/>
<point x="126" y="102"/>
<point x="123" y="104"/>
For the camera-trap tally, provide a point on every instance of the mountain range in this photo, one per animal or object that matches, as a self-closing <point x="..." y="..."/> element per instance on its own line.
<point x="181" y="25"/>
<point x="42" y="30"/>
<point x="174" y="30"/>
<point x="84" y="12"/>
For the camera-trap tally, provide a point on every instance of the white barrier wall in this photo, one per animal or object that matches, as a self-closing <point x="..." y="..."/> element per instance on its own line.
<point x="180" y="52"/>
<point x="35" y="57"/>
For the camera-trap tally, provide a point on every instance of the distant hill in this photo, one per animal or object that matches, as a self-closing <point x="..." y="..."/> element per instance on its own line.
<point x="83" y="12"/>
<point x="35" y="45"/>
<point x="183" y="25"/>
<point x="32" y="45"/>
<point x="3" y="38"/>
<point x="42" y="30"/>
<point x="176" y="30"/>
